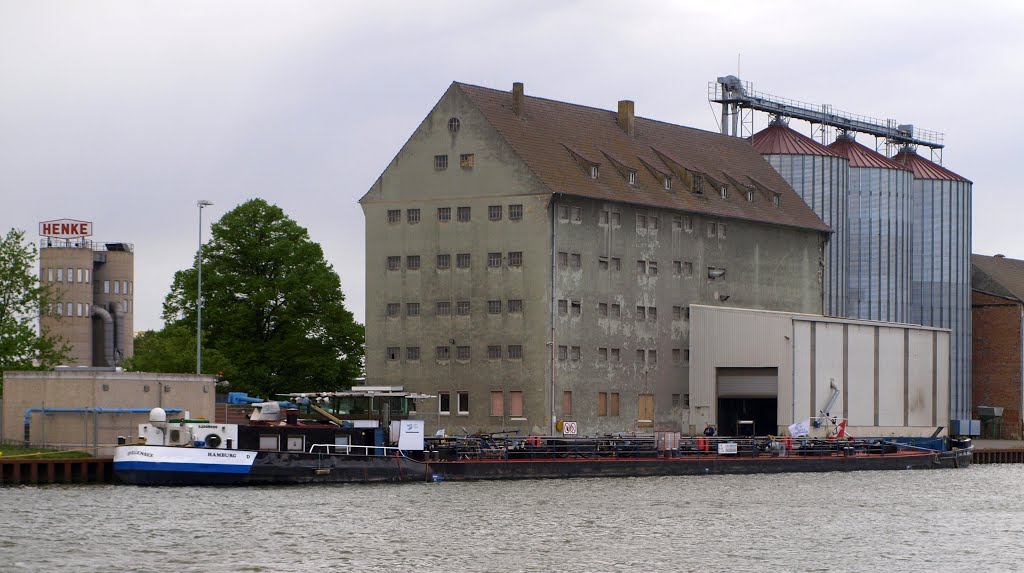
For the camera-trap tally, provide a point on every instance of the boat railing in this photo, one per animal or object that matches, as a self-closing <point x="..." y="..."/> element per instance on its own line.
<point x="353" y="450"/>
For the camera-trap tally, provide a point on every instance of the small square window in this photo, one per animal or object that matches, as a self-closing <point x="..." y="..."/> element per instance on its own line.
<point x="412" y="309"/>
<point x="602" y="218"/>
<point x="463" y="403"/>
<point x="602" y="263"/>
<point x="444" y="402"/>
<point x="463" y="214"/>
<point x="515" y="258"/>
<point x="412" y="216"/>
<point x="652" y="356"/>
<point x="688" y="223"/>
<point x="494" y="213"/>
<point x="394" y="215"/>
<point x="412" y="353"/>
<point x="466" y="160"/>
<point x="687" y="269"/>
<point x="392" y="352"/>
<point x="494" y="307"/>
<point x="394" y="263"/>
<point x="602" y="309"/>
<point x="576" y="308"/>
<point x="563" y="259"/>
<point x="677" y="222"/>
<point x="616" y="264"/>
<point x="563" y="352"/>
<point x="462" y="260"/>
<point x="616" y="219"/>
<point x="444" y="308"/>
<point x="393" y="309"/>
<point x="615" y="355"/>
<point x="698" y="184"/>
<point x="444" y="261"/>
<point x="641" y="267"/>
<point x="721" y="230"/>
<point x="677" y="313"/>
<point x="442" y="353"/>
<point x="675" y="400"/>
<point x="602" y="354"/>
<point x="412" y="262"/>
<point x="686" y="313"/>
<point x="602" y="403"/>
<point x="652" y="267"/>
<point x="563" y="212"/>
<point x="641" y="221"/>
<point x="444" y="214"/>
<point x="712" y="229"/>
<point x="652" y="313"/>
<point x="677" y="268"/>
<point x="494" y="352"/>
<point x="440" y="162"/>
<point x="641" y="356"/>
<point x="515" y="212"/>
<point x="563" y="307"/>
<point x="686" y="355"/>
<point x="575" y="260"/>
<point x="577" y="214"/>
<point x="616" y="310"/>
<point x="515" y="305"/>
<point x="652" y="222"/>
<point x="677" y="355"/>
<point x="515" y="351"/>
<point x="493" y="260"/>
<point x="574" y="353"/>
<point x="641" y="313"/>
<point x="462" y="307"/>
<point x="462" y="353"/>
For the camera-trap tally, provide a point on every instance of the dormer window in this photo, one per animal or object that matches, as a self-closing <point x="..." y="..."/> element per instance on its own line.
<point x="776" y="199"/>
<point x="698" y="184"/>
<point x="724" y="192"/>
<point x="631" y="177"/>
<point x="593" y="171"/>
<point x="668" y="183"/>
<point x="750" y="196"/>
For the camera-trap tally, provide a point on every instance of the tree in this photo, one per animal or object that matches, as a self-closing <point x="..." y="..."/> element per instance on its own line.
<point x="173" y="349"/>
<point x="22" y="298"/>
<point x="273" y="306"/>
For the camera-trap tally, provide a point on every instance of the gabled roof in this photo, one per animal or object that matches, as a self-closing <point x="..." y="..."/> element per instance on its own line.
<point x="780" y="139"/>
<point x="925" y="169"/>
<point x="548" y="129"/>
<point x="861" y="156"/>
<point x="998" y="275"/>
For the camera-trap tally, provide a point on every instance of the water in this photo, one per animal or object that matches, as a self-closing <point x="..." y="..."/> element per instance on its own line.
<point x="966" y="520"/>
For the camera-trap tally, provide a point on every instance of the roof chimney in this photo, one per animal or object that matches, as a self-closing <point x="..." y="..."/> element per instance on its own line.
<point x="626" y="120"/>
<point x="518" y="105"/>
<point x="1000" y="256"/>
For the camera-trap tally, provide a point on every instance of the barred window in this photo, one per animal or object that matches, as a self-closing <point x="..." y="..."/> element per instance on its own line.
<point x="412" y="353"/>
<point x="394" y="215"/>
<point x="412" y="262"/>
<point x="462" y="307"/>
<point x="563" y="259"/>
<point x="494" y="307"/>
<point x="466" y="160"/>
<point x="575" y="260"/>
<point x="515" y="258"/>
<point x="393" y="308"/>
<point x="462" y="260"/>
<point x="440" y="162"/>
<point x="412" y="215"/>
<point x="494" y="352"/>
<point x="652" y="267"/>
<point x="515" y="212"/>
<point x="444" y="213"/>
<point x="494" y="212"/>
<point x="444" y="308"/>
<point x="463" y="214"/>
<point x="444" y="261"/>
<point x="493" y="260"/>
<point x="442" y="353"/>
<point x="394" y="263"/>
<point x="412" y="309"/>
<point x="462" y="353"/>
<point x="515" y="305"/>
<point x="515" y="351"/>
<point x="392" y="352"/>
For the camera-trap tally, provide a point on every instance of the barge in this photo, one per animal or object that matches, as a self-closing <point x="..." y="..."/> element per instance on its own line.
<point x="279" y="448"/>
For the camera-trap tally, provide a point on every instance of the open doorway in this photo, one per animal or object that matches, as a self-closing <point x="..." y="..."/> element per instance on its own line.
<point x="748" y="394"/>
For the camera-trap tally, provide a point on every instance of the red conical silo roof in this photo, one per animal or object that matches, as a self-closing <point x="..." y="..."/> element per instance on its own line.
<point x="925" y="169"/>
<point x="861" y="156"/>
<point x="780" y="139"/>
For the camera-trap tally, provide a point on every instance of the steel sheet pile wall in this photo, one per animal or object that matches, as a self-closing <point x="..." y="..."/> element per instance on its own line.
<point x="878" y="261"/>
<point x="819" y="176"/>
<point x="941" y="265"/>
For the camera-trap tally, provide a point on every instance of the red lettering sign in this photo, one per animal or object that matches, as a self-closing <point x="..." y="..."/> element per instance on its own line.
<point x="65" y="229"/>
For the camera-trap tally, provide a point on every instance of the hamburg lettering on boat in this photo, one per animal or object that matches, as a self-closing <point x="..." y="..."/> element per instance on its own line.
<point x="221" y="455"/>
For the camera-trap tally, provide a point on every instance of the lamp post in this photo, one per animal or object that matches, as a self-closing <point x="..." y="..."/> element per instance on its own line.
<point x="199" y="290"/>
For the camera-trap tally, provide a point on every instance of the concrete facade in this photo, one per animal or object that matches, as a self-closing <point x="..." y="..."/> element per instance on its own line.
<point x="888" y="379"/>
<point x="92" y="290"/>
<point x="81" y="388"/>
<point x="569" y="305"/>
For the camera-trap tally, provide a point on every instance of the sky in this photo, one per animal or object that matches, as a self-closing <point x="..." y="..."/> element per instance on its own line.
<point x="127" y="113"/>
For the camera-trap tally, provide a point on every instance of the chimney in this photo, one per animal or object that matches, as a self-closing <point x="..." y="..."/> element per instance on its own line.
<point x="626" y="119"/>
<point x="518" y="105"/>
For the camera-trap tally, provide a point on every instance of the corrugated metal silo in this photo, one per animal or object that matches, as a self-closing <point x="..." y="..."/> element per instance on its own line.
<point x="878" y="234"/>
<point x="940" y="286"/>
<point x="819" y="176"/>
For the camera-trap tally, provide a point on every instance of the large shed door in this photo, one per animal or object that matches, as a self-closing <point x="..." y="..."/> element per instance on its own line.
<point x="748" y="383"/>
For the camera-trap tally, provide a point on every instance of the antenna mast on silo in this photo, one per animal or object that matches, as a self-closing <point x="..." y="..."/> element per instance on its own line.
<point x="739" y="100"/>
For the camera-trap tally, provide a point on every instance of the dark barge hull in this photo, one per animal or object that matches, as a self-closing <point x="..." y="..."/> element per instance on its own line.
<point x="301" y="468"/>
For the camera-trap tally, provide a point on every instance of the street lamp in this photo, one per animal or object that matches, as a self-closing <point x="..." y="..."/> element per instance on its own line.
<point x="199" y="291"/>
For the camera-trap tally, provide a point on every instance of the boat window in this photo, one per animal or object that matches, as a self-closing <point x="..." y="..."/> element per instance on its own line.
<point x="270" y="442"/>
<point x="296" y="443"/>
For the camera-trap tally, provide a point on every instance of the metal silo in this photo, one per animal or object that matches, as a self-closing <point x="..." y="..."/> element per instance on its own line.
<point x="940" y="270"/>
<point x="878" y="234"/>
<point x="819" y="176"/>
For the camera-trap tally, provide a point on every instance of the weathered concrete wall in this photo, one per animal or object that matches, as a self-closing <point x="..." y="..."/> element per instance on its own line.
<point x="73" y="388"/>
<point x="997" y="358"/>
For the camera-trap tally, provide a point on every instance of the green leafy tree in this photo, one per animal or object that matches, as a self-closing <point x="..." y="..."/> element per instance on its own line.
<point x="273" y="306"/>
<point x="173" y="349"/>
<point x="22" y="298"/>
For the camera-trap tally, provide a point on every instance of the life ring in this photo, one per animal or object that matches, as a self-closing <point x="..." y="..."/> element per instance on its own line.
<point x="702" y="444"/>
<point x="212" y="441"/>
<point x="534" y="441"/>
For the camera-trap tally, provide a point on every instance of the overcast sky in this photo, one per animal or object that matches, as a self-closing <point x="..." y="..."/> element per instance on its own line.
<point x="126" y="113"/>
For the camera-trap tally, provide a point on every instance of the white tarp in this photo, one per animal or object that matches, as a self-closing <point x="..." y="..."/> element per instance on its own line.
<point x="410" y="436"/>
<point x="800" y="429"/>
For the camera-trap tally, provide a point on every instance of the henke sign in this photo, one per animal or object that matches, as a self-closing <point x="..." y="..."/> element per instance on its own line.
<point x="65" y="229"/>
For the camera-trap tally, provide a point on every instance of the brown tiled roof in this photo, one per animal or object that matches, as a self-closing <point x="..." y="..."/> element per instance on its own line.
<point x="861" y="156"/>
<point x="925" y="169"/>
<point x="998" y="275"/>
<point x="549" y="129"/>
<point x="780" y="139"/>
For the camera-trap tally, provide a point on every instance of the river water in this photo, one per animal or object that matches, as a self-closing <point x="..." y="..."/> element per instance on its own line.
<point x="922" y="521"/>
